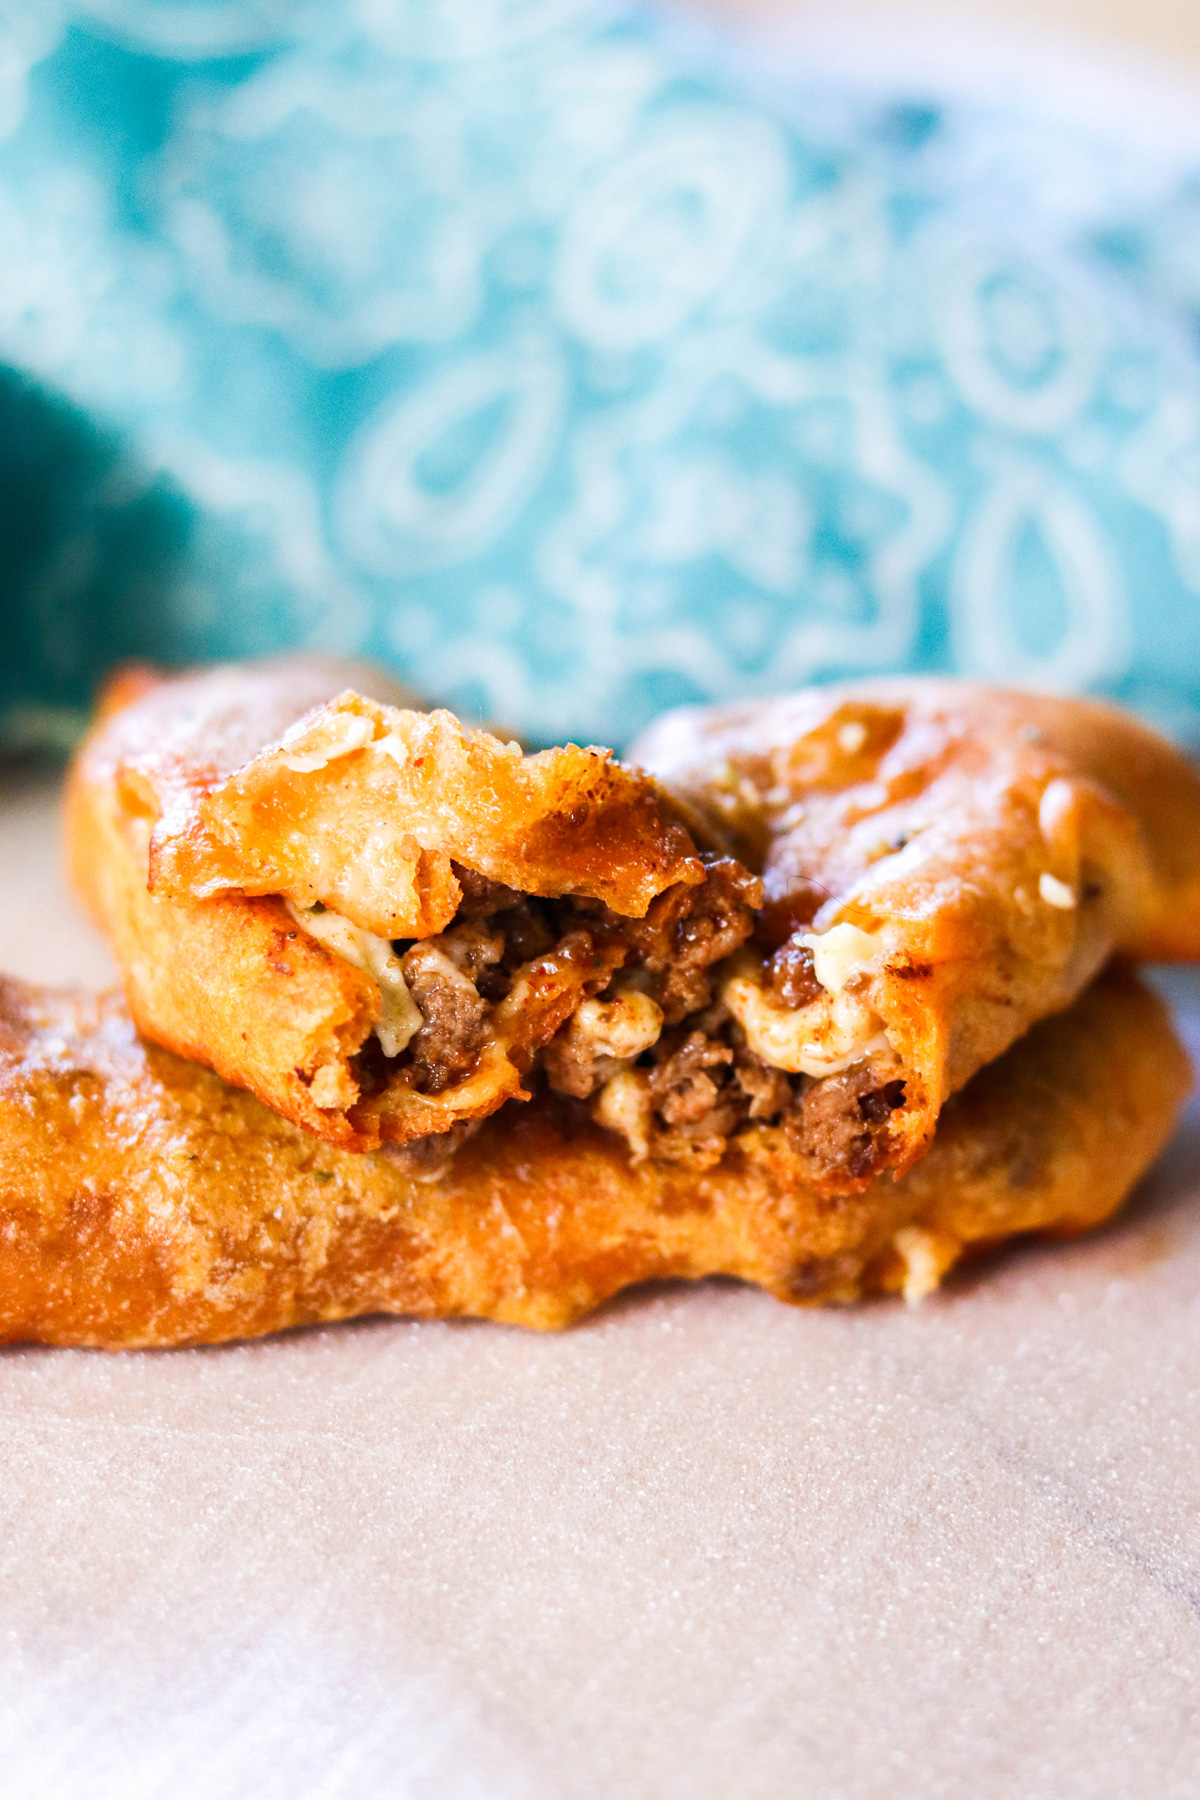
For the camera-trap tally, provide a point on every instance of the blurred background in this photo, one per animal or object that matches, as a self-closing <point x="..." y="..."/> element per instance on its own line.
<point x="578" y="360"/>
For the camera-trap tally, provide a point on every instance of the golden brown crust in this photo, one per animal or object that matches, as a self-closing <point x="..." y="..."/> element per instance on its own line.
<point x="366" y="807"/>
<point x="144" y="1202"/>
<point x="374" y="833"/>
<point x="231" y="982"/>
<point x="999" y="846"/>
<point x="194" y="808"/>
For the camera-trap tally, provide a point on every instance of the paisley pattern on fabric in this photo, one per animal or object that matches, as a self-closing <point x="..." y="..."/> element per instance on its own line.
<point x="572" y="365"/>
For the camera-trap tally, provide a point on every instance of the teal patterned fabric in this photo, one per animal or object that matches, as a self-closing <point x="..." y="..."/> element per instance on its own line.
<point x="574" y="365"/>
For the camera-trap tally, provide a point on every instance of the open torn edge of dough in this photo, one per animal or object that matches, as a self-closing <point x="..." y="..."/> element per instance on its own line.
<point x="378" y="920"/>
<point x="497" y="903"/>
<point x="387" y="926"/>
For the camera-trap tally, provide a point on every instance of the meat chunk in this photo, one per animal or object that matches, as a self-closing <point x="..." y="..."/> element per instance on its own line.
<point x="450" y="1039"/>
<point x="600" y="1037"/>
<point x="705" y="1084"/>
<point x="689" y="929"/>
<point x="768" y="1090"/>
<point x="792" y="973"/>
<point x="481" y="897"/>
<point x="694" y="1105"/>
<point x="473" y="948"/>
<point x="526" y="934"/>
<point x="682" y="1086"/>
<point x="838" y="1124"/>
<point x="583" y="992"/>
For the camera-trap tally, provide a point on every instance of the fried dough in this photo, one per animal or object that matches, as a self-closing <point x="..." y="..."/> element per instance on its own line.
<point x="254" y="841"/>
<point x="943" y="864"/>
<point x="145" y="1202"/>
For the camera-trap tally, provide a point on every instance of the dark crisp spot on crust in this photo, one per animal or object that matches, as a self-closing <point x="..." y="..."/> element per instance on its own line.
<point x="912" y="971"/>
<point x="808" y="1280"/>
<point x="879" y="1102"/>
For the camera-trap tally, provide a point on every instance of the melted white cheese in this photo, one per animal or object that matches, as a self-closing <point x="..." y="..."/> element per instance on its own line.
<point x="831" y="1033"/>
<point x="623" y="1105"/>
<point x="622" y="1027"/>
<point x="400" y="1017"/>
<point x="1056" y="893"/>
<point x="841" y="953"/>
<point x="392" y="745"/>
<point x="821" y="1039"/>
<point x="926" y="1256"/>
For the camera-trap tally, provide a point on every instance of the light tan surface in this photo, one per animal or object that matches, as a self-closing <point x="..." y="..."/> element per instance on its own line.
<point x="45" y="935"/>
<point x="703" y="1546"/>
<point x="1166" y="30"/>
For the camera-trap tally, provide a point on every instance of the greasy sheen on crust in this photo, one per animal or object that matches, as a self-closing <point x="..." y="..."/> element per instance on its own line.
<point x="144" y="1202"/>
<point x="996" y="847"/>
<point x="246" y="770"/>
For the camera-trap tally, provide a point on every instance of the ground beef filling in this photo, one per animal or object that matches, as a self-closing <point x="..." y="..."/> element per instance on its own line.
<point x="701" y="1084"/>
<point x="656" y="1059"/>
<point x="663" y="971"/>
<point x="792" y="973"/>
<point x="447" y="1045"/>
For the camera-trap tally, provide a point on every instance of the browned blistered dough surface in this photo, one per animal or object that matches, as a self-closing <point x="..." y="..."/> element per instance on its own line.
<point x="1003" y="845"/>
<point x="144" y="1202"/>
